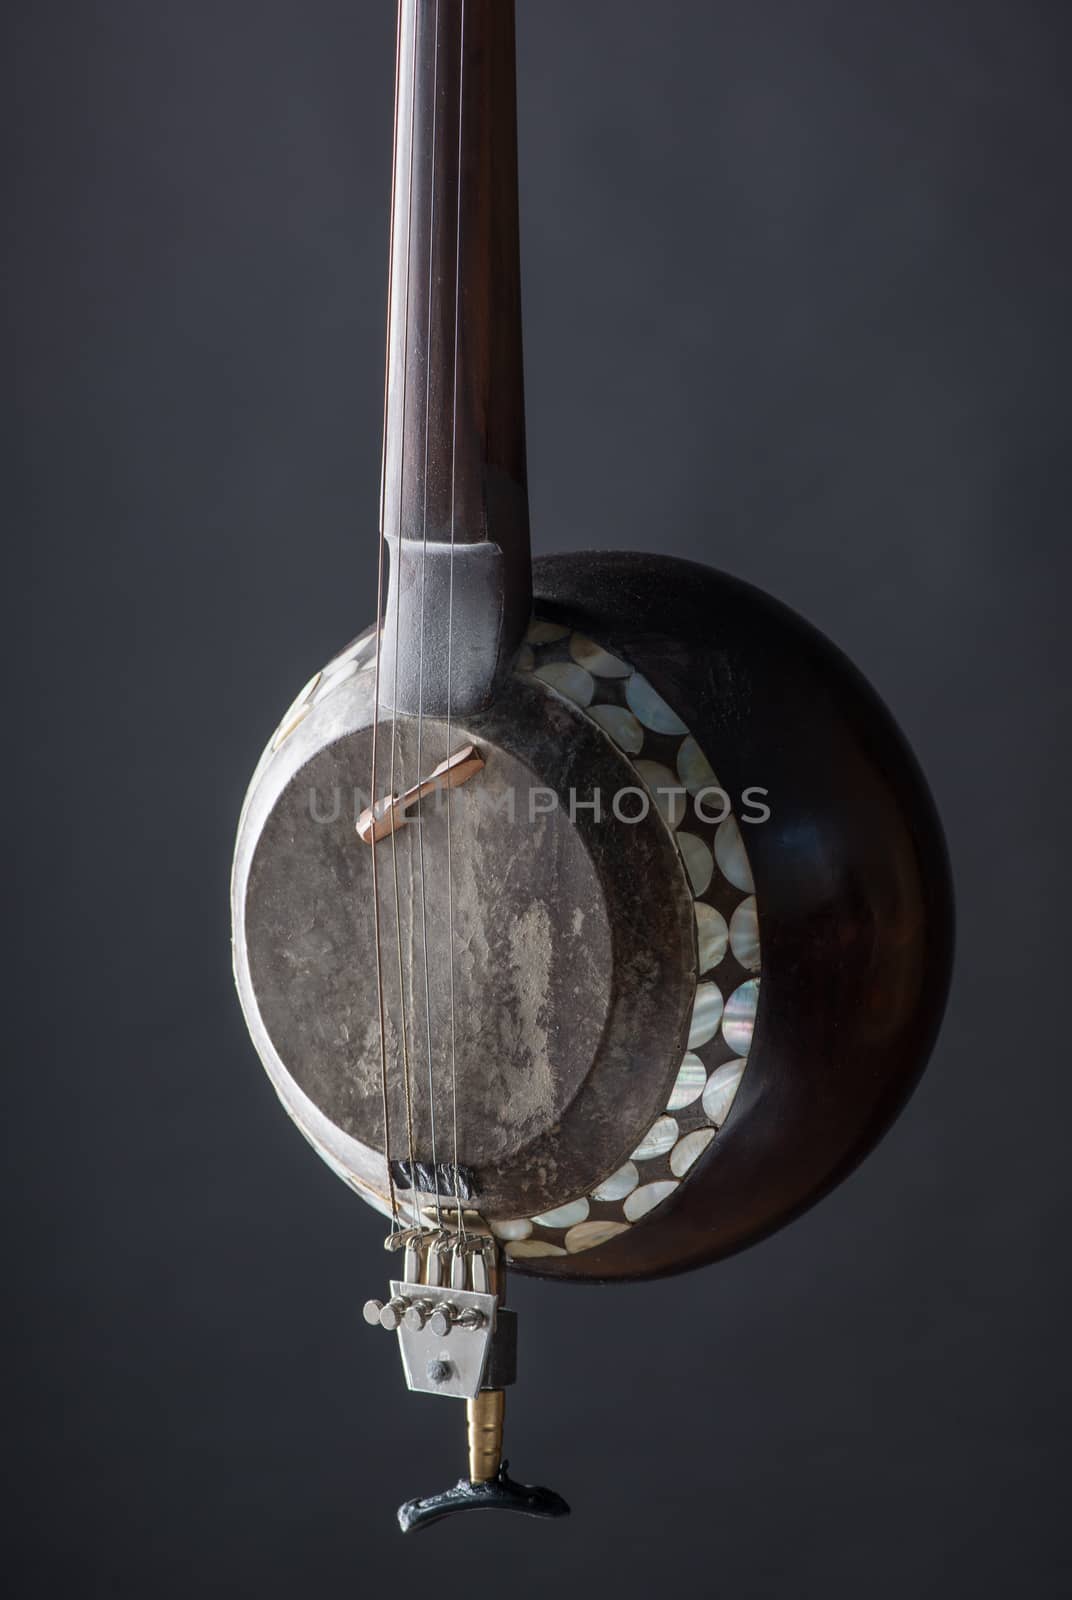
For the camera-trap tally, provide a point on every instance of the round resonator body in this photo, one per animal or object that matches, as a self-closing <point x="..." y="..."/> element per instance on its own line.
<point x="656" y="977"/>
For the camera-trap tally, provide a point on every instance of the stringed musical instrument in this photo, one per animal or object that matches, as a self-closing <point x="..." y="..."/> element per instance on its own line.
<point x="591" y="916"/>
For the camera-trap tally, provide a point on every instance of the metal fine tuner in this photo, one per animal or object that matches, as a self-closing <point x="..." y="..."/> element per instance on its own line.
<point x="591" y="915"/>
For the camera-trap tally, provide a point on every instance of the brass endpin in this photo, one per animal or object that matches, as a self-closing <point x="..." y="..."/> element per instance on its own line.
<point x="484" y="1419"/>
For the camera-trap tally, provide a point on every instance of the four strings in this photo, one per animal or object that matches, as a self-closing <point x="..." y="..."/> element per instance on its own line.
<point x="396" y="755"/>
<point x="450" y="599"/>
<point x="380" y="1008"/>
<point x="420" y="666"/>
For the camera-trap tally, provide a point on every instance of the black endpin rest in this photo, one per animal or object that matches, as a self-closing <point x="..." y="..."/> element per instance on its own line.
<point x="500" y="1493"/>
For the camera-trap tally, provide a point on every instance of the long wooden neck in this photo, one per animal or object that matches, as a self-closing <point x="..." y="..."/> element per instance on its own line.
<point x="454" y="436"/>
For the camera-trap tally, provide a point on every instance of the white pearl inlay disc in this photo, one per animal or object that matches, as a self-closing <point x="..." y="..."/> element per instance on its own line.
<point x="621" y="725"/>
<point x="651" y="708"/>
<point x="520" y="1249"/>
<point x="601" y="662"/>
<point x="360" y="653"/>
<point x="666" y="790"/>
<point x="328" y="685"/>
<point x="288" y="727"/>
<point x="587" y="1234"/>
<point x="645" y="1199"/>
<point x="689" y="1149"/>
<point x="619" y="1184"/>
<point x="358" y="650"/>
<point x="744" y="934"/>
<point x="722" y="1085"/>
<point x="691" y="1078"/>
<point x="660" y="1137"/>
<point x="569" y="680"/>
<point x="694" y="769"/>
<point x="699" y="862"/>
<point x="706" y="1014"/>
<point x="564" y="1216"/>
<point x="517" y="1228"/>
<point x="711" y="936"/>
<point x="739" y="1017"/>
<point x="730" y="854"/>
<point x="545" y="632"/>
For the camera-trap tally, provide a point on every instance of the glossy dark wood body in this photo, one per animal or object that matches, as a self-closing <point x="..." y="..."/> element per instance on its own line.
<point x="852" y="885"/>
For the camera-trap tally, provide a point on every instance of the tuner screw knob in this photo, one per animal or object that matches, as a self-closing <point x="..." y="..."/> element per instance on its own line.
<point x="371" y="1312"/>
<point x="416" y="1315"/>
<point x="471" y="1318"/>
<point x="393" y="1312"/>
<point x="442" y="1320"/>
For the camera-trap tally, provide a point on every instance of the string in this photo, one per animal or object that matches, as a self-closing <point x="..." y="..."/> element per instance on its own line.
<point x="376" y="907"/>
<point x="420" y="666"/>
<point x="450" y="617"/>
<point x="397" y="586"/>
<point x="392" y="1192"/>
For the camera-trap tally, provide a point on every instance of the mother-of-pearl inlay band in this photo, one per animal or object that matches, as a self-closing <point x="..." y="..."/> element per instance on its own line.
<point x="662" y="752"/>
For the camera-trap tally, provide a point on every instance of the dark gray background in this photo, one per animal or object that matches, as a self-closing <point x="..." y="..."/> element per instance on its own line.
<point x="795" y="277"/>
